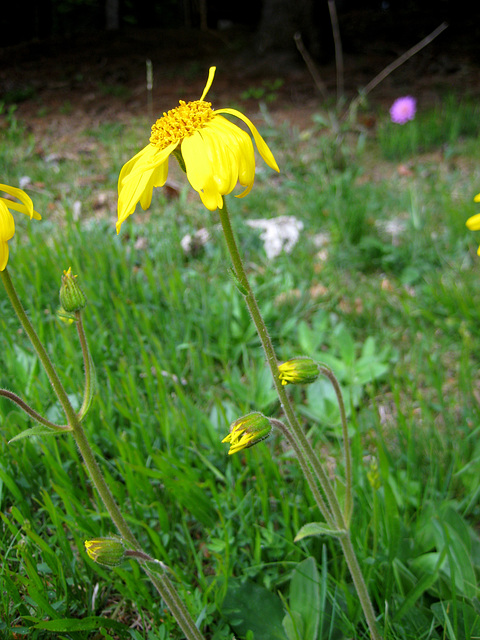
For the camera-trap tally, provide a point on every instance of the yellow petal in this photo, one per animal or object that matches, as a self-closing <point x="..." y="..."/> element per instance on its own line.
<point x="7" y="230"/>
<point x="262" y="146"/>
<point x="211" y="197"/>
<point x="240" y="144"/>
<point x="158" y="178"/>
<point x="22" y="208"/>
<point x="473" y="223"/>
<point x="27" y="204"/>
<point x="7" y="223"/>
<point x="131" y="193"/>
<point x="211" y="75"/>
<point x="3" y="255"/>
<point x="140" y="161"/>
<point x="138" y="177"/>
<point x="200" y="172"/>
<point x="20" y="195"/>
<point x="222" y="159"/>
<point x="477" y="198"/>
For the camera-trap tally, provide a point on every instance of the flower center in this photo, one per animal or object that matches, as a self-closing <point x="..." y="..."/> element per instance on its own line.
<point x="181" y="122"/>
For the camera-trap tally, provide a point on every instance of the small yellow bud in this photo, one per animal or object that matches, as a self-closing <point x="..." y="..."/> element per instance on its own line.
<point x="107" y="551"/>
<point x="72" y="297"/>
<point x="247" y="431"/>
<point x="301" y="370"/>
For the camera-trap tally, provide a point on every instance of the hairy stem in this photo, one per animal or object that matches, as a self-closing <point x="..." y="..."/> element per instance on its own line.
<point x="88" y="366"/>
<point x="296" y="432"/>
<point x="348" y="507"/>
<point x="31" y="412"/>
<point x="162" y="582"/>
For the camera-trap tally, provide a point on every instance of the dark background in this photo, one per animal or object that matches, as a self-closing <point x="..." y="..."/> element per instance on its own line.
<point x="397" y="22"/>
<point x="75" y="54"/>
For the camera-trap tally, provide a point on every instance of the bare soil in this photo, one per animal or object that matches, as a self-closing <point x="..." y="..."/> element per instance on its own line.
<point x="64" y="86"/>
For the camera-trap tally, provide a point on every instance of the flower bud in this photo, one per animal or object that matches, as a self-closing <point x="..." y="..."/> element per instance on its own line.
<point x="301" y="370"/>
<point x="247" y="431"/>
<point x="72" y="297"/>
<point x="373" y="475"/>
<point x="107" y="551"/>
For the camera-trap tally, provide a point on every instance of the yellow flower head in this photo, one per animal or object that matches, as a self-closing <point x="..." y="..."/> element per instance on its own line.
<point x="7" y="223"/>
<point x="301" y="370"/>
<point x="107" y="551"/>
<point x="473" y="223"/>
<point x="247" y="431"/>
<point x="216" y="155"/>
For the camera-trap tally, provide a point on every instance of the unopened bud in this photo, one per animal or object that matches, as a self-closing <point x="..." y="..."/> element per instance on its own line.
<point x="247" y="431"/>
<point x="107" y="551"/>
<point x="72" y="297"/>
<point x="301" y="370"/>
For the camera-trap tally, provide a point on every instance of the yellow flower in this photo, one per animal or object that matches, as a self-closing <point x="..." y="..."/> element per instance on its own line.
<point x="7" y="223"/>
<point x="107" y="551"/>
<point x="299" y="370"/>
<point x="473" y="223"/>
<point x="247" y="431"/>
<point x="214" y="152"/>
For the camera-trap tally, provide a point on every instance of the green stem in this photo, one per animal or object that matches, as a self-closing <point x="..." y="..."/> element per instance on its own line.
<point x="272" y="362"/>
<point x="88" y="366"/>
<point x="306" y="471"/>
<point x="360" y="586"/>
<point x="31" y="412"/>
<point x="297" y="432"/>
<point x="38" y="346"/>
<point x="161" y="582"/>
<point x="348" y="507"/>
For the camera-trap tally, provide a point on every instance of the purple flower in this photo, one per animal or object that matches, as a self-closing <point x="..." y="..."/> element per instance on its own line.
<point x="403" y="109"/>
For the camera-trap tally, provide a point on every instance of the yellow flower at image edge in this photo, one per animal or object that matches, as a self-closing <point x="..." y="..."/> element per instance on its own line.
<point x="216" y="155"/>
<point x="473" y="223"/>
<point x="7" y="223"/>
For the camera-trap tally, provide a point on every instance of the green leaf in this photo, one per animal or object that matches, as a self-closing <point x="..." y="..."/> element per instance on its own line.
<point x="305" y="597"/>
<point x="250" y="607"/>
<point x="293" y="625"/>
<point x="38" y="430"/>
<point x="74" y="624"/>
<point x="318" y="529"/>
<point x="458" y="618"/>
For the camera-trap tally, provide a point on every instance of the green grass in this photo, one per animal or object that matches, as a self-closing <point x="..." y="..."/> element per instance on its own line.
<point x="390" y="301"/>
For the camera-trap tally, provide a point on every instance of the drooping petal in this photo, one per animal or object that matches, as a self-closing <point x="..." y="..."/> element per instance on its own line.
<point x="241" y="145"/>
<point x="158" y="178"/>
<point x="131" y="193"/>
<point x="262" y="146"/>
<point x="7" y="231"/>
<point x="138" y="177"/>
<point x="145" y="160"/>
<point x="27" y="204"/>
<point x="223" y="159"/>
<point x="3" y="255"/>
<point x="200" y="172"/>
<point x="22" y="208"/>
<point x="7" y="223"/>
